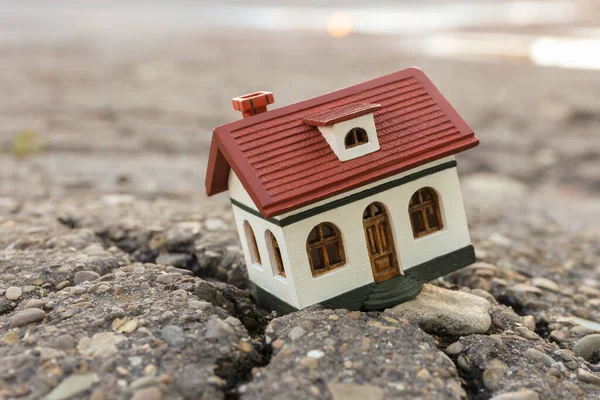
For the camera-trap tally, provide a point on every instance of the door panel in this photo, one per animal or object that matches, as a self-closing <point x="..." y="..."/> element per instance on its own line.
<point x="382" y="251"/>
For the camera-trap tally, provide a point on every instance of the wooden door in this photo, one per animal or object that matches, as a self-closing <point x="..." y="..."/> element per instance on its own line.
<point x="380" y="243"/>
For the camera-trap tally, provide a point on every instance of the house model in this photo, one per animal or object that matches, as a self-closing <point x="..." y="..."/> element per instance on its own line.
<point x="350" y="199"/>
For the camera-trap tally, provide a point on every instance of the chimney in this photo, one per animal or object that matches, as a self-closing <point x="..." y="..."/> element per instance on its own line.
<point x="253" y="103"/>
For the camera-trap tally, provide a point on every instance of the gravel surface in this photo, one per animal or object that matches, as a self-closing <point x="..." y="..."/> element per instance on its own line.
<point x="119" y="279"/>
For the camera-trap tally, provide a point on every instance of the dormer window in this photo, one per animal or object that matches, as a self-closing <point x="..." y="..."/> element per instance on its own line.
<point x="356" y="137"/>
<point x="349" y="129"/>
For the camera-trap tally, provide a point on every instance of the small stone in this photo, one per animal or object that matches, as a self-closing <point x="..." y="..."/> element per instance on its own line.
<point x="310" y="362"/>
<point x="525" y="394"/>
<point x="353" y="391"/>
<point x="13" y="293"/>
<point x="492" y="377"/>
<point x="464" y="363"/>
<point x="124" y="325"/>
<point x="101" y="345"/>
<point x="454" y="349"/>
<point x="587" y="377"/>
<point x="143" y="382"/>
<point x="587" y="346"/>
<point x="150" y="370"/>
<point x="581" y="312"/>
<point x="168" y="278"/>
<point x="526" y="333"/>
<point x="174" y="259"/>
<point x="558" y="336"/>
<point x="522" y="287"/>
<point x="149" y="393"/>
<point x="63" y="285"/>
<point x="529" y="322"/>
<point x="64" y="342"/>
<point x="245" y="347"/>
<point x="71" y="386"/>
<point x="85" y="276"/>
<point x="34" y="303"/>
<point x="173" y="335"/>
<point x="441" y="310"/>
<point x="315" y="354"/>
<point x="296" y="333"/>
<point x="545" y="283"/>
<point x="26" y="317"/>
<point x="537" y="357"/>
<point x="423" y="374"/>
<point x="97" y="394"/>
<point x="216" y="327"/>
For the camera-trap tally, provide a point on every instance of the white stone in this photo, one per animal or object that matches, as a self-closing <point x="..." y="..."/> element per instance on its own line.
<point x="441" y="310"/>
<point x="13" y="293"/>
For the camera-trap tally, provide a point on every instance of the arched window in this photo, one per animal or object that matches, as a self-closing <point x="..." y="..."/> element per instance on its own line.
<point x="325" y="249"/>
<point x="425" y="213"/>
<point x="356" y="137"/>
<point x="252" y="246"/>
<point x="275" y="252"/>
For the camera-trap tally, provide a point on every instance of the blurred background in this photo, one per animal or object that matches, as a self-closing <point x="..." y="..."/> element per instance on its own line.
<point x="120" y="97"/>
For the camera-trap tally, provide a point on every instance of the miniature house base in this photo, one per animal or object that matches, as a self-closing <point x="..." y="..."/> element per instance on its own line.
<point x="350" y="199"/>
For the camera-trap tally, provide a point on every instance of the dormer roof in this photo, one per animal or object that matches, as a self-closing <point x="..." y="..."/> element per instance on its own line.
<point x="341" y="114"/>
<point x="285" y="164"/>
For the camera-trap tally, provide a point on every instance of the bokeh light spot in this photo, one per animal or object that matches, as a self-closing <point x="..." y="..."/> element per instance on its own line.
<point x="339" y="24"/>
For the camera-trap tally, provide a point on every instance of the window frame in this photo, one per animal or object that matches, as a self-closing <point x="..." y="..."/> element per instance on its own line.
<point x="320" y="244"/>
<point x="432" y="204"/>
<point x="359" y="137"/>
<point x="255" y="258"/>
<point x="275" y="255"/>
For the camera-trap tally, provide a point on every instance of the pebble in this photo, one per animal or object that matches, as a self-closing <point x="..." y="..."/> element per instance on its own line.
<point x="173" y="335"/>
<point x="587" y="346"/>
<point x="296" y="333"/>
<point x="353" y="391"/>
<point x="558" y="336"/>
<point x="523" y="287"/>
<point x="526" y="394"/>
<point x="150" y="393"/>
<point x="124" y="325"/>
<point x="63" y="285"/>
<point x="85" y="276"/>
<point x="168" y="278"/>
<point x="545" y="283"/>
<point x="27" y="316"/>
<point x="216" y="327"/>
<point x="71" y="386"/>
<point x="13" y="293"/>
<point x="64" y="342"/>
<point x="454" y="349"/>
<point x="587" y="377"/>
<point x="101" y="345"/>
<point x="143" y="382"/>
<point x="537" y="357"/>
<point x="529" y="322"/>
<point x="455" y="313"/>
<point x="174" y="259"/>
<point x="526" y="333"/>
<point x="34" y="303"/>
<point x="492" y="377"/>
<point x="315" y="354"/>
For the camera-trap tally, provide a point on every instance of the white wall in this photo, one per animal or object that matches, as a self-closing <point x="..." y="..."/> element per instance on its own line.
<point x="357" y="272"/>
<point x="335" y="135"/>
<point x="264" y="275"/>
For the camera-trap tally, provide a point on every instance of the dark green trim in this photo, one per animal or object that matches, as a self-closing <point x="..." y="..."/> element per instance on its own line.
<point x="269" y="301"/>
<point x="442" y="265"/>
<point x="254" y="212"/>
<point x="352" y="300"/>
<point x="351" y="198"/>
<point x="384" y="294"/>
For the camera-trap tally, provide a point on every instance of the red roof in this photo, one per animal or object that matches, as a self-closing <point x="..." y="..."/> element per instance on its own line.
<point x="340" y="114"/>
<point x="285" y="164"/>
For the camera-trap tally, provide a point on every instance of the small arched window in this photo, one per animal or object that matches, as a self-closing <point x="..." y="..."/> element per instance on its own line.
<point x="356" y="137"/>
<point x="325" y="249"/>
<point x="425" y="213"/>
<point x="275" y="253"/>
<point x="252" y="245"/>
